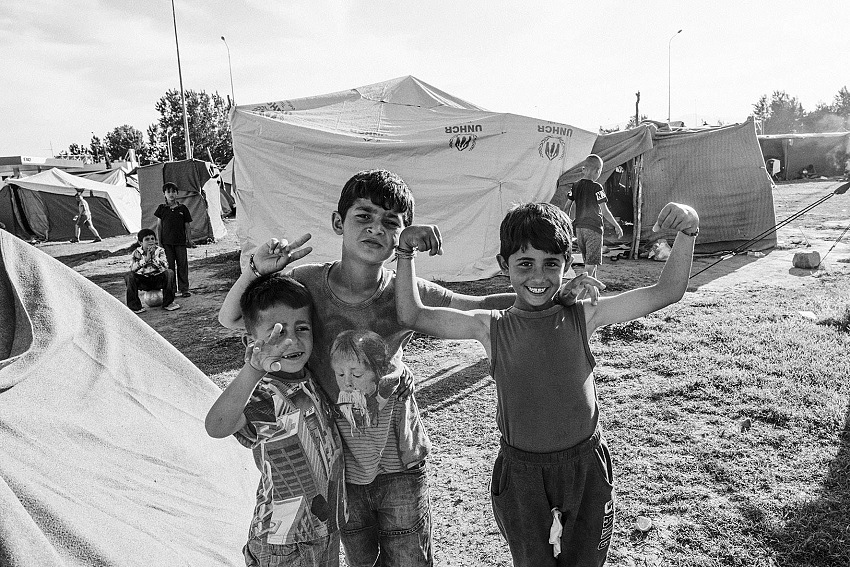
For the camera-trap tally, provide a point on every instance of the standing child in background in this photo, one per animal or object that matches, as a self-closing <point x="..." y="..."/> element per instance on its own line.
<point x="83" y="218"/>
<point x="552" y="485"/>
<point x="172" y="227"/>
<point x="274" y="408"/>
<point x="149" y="271"/>
<point x="389" y="506"/>
<point x="590" y="201"/>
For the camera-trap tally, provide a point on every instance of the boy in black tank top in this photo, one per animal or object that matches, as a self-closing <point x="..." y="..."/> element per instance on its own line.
<point x="552" y="485"/>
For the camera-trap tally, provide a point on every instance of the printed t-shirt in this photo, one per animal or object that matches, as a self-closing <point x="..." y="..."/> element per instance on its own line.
<point x="588" y="195"/>
<point x="149" y="265"/>
<point x="173" y="223"/>
<point x="301" y="496"/>
<point x="380" y="433"/>
<point x="543" y="369"/>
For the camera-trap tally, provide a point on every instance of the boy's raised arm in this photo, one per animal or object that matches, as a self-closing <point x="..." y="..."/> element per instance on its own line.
<point x="268" y="258"/>
<point x="442" y="322"/>
<point x="671" y="284"/>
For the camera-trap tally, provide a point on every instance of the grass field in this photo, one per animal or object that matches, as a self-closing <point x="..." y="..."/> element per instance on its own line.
<point x="726" y="413"/>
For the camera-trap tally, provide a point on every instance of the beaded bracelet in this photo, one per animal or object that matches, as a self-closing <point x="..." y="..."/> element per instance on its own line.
<point x="691" y="234"/>
<point x="253" y="267"/>
<point x="404" y="253"/>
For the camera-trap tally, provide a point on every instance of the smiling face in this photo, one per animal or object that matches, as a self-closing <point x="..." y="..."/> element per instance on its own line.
<point x="369" y="232"/>
<point x="535" y="276"/>
<point x="295" y="343"/>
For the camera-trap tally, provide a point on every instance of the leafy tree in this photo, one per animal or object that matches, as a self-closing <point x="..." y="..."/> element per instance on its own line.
<point x="76" y="151"/>
<point x="209" y="128"/>
<point x="781" y="114"/>
<point x="841" y="103"/>
<point x="124" y="138"/>
<point x="98" y="150"/>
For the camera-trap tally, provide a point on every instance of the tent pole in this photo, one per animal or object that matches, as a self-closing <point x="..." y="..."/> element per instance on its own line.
<point x="637" y="202"/>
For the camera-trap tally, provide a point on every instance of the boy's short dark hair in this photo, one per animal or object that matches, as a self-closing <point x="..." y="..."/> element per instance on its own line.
<point x="268" y="291"/>
<point x="384" y="188"/>
<point x="594" y="160"/>
<point x="145" y="232"/>
<point x="541" y="225"/>
<point x="169" y="185"/>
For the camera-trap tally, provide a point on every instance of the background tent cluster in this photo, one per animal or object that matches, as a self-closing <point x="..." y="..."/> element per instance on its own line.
<point x="465" y="165"/>
<point x="42" y="206"/>
<point x="200" y="187"/>
<point x="719" y="171"/>
<point x="828" y="153"/>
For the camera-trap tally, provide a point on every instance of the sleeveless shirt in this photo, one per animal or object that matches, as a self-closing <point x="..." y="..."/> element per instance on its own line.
<point x="543" y="368"/>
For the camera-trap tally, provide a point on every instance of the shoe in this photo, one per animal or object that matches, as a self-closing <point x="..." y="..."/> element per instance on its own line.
<point x="185" y="294"/>
<point x="74" y="240"/>
<point x="172" y="307"/>
<point x="98" y="239"/>
<point x="141" y="309"/>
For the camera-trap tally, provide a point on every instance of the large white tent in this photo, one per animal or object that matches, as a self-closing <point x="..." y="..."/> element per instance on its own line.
<point x="465" y="165"/>
<point x="42" y="206"/>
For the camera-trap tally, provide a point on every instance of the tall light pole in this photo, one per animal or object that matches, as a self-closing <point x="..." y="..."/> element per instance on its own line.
<point x="230" y="68"/>
<point x="182" y="95"/>
<point x="668" y="72"/>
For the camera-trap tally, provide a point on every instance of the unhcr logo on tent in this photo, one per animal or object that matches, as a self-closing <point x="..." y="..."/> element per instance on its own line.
<point x="461" y="143"/>
<point x="551" y="147"/>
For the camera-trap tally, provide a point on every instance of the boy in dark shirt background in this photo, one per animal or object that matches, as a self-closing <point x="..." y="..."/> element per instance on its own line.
<point x="590" y="201"/>
<point x="173" y="220"/>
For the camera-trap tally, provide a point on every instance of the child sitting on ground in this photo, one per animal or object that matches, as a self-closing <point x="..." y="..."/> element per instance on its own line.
<point x="274" y="407"/>
<point x="149" y="272"/>
<point x="552" y="485"/>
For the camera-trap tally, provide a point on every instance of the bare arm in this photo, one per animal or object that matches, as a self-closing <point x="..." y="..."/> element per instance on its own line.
<point x="489" y="302"/>
<point x="671" y="285"/>
<point x="158" y="230"/>
<point x="606" y="213"/>
<point x="270" y="257"/>
<point x="226" y="415"/>
<point x="442" y="322"/>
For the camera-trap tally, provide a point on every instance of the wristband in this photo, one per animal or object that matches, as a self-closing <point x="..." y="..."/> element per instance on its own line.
<point x="253" y="267"/>
<point x="691" y="234"/>
<point x="404" y="253"/>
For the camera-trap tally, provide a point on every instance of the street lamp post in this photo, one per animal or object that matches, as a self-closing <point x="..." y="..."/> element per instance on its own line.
<point x="668" y="73"/>
<point x="230" y="68"/>
<point x="182" y="95"/>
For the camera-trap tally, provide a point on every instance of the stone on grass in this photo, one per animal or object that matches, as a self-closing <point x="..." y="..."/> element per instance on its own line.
<point x="643" y="524"/>
<point x="807" y="260"/>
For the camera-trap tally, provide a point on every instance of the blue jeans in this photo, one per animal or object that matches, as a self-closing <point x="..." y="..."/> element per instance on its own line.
<point x="389" y="521"/>
<point x="323" y="552"/>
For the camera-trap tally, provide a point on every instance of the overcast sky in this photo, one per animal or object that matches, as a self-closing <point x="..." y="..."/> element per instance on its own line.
<point x="73" y="68"/>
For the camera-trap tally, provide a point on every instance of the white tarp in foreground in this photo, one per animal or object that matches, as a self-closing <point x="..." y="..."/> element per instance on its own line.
<point x="104" y="459"/>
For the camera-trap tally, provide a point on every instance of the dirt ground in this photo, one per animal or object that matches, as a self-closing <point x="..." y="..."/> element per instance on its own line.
<point x="453" y="374"/>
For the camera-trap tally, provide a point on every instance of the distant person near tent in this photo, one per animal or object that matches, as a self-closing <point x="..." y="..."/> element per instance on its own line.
<point x="149" y="271"/>
<point x="173" y="220"/>
<point x="590" y="201"/>
<point x="83" y="218"/>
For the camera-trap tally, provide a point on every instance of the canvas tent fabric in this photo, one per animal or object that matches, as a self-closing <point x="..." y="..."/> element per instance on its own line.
<point x="115" y="176"/>
<point x="199" y="189"/>
<point x="42" y="206"/>
<point x="228" y="189"/>
<point x="719" y="171"/>
<point x="828" y="152"/>
<point x="105" y="460"/>
<point x="465" y="165"/>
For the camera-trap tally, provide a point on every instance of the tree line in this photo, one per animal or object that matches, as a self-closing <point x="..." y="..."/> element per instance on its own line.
<point x="783" y="114"/>
<point x="209" y="133"/>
